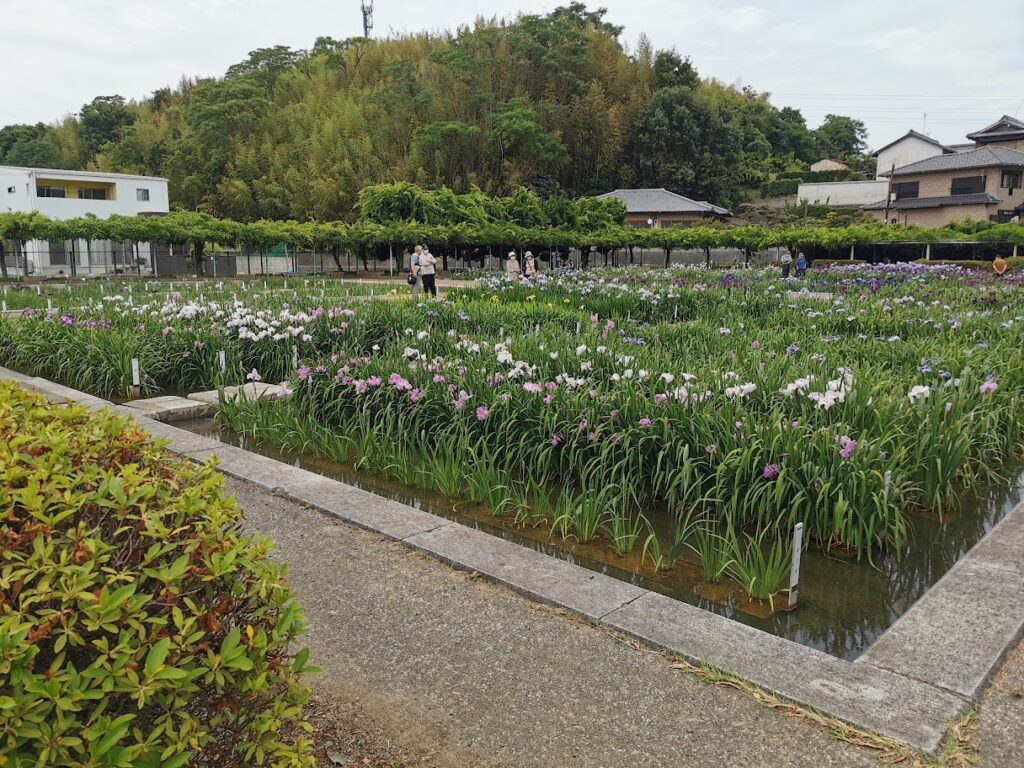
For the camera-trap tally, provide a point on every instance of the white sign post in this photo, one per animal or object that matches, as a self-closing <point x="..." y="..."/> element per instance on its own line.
<point x="794" y="571"/>
<point x="136" y="380"/>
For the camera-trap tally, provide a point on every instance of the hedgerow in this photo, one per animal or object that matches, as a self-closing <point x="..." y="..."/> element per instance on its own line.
<point x="138" y="627"/>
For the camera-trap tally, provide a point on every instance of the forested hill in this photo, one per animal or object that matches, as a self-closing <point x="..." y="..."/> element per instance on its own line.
<point x="555" y="102"/>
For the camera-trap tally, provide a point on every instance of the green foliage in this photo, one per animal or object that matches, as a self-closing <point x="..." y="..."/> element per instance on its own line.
<point x="137" y="626"/>
<point x="553" y="102"/>
<point x="780" y="188"/>
<point x="841" y="137"/>
<point x="102" y="119"/>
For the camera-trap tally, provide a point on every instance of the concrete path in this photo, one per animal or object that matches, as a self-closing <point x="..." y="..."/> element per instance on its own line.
<point x="462" y="672"/>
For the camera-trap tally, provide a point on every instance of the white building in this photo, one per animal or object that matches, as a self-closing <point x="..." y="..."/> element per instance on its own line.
<point x="62" y="195"/>
<point x="912" y="147"/>
<point x="842" y="193"/>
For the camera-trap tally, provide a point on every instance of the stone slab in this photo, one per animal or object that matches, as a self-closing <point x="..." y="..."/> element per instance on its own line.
<point x="354" y="505"/>
<point x="170" y="408"/>
<point x="870" y="698"/>
<point x="531" y="573"/>
<point x="251" y="467"/>
<point x="958" y="633"/>
<point x="1003" y="547"/>
<point x="8" y="375"/>
<point x="58" y="393"/>
<point x="254" y="390"/>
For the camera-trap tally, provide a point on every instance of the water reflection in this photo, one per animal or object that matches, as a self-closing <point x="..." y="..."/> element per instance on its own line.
<point x="844" y="604"/>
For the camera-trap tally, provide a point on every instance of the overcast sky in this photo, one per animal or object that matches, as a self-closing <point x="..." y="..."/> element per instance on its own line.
<point x="887" y="62"/>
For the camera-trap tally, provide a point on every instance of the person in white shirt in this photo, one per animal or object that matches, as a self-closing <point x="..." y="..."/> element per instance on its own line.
<point x="428" y="271"/>
<point x="787" y="261"/>
<point x="512" y="268"/>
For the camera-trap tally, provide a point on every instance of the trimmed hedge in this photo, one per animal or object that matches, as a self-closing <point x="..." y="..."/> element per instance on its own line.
<point x="1013" y="264"/>
<point x="780" y="188"/>
<point x="137" y="626"/>
<point x="822" y="176"/>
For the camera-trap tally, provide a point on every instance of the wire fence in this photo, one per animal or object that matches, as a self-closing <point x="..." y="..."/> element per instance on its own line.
<point x="39" y="258"/>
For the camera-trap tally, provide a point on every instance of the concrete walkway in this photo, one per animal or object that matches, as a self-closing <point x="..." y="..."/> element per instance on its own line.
<point x="461" y="672"/>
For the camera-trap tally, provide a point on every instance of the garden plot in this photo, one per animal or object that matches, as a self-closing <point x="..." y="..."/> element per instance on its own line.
<point x="663" y="424"/>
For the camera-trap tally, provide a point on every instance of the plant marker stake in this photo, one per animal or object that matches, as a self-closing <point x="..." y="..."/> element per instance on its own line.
<point x="136" y="384"/>
<point x="39" y="291"/>
<point x="5" y="305"/>
<point x="794" y="571"/>
<point x="577" y="327"/>
<point x="295" y="356"/>
<point x="223" y="362"/>
<point x="49" y="303"/>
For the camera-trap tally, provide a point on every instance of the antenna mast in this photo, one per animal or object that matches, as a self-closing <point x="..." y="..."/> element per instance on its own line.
<point x="367" y="6"/>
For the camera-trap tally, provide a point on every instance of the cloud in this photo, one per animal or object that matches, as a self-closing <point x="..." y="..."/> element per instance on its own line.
<point x="884" y="62"/>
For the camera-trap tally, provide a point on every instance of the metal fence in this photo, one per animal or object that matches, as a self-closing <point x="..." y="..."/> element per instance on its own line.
<point x="39" y="258"/>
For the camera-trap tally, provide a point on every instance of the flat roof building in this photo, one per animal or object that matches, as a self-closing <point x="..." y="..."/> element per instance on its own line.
<point x="65" y="194"/>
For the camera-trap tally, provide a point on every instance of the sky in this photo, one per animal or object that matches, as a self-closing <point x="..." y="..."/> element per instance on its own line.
<point x="936" y="66"/>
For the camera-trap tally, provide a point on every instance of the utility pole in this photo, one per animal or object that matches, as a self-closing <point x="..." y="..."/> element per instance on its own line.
<point x="888" y="194"/>
<point x="367" y="6"/>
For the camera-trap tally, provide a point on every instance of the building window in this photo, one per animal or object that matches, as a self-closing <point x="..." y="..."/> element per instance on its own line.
<point x="92" y="194"/>
<point x="968" y="185"/>
<point x="1011" y="179"/>
<point x="142" y="195"/>
<point x="58" y="253"/>
<point x="44" y="191"/>
<point x="906" y="189"/>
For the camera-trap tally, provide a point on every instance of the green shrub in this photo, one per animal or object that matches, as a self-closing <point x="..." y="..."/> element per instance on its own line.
<point x="1013" y="264"/>
<point x="137" y="626"/>
<point x="779" y="187"/>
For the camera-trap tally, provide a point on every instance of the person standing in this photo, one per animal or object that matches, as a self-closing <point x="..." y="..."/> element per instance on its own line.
<point x="414" y="270"/>
<point x="801" y="265"/>
<point x="787" y="261"/>
<point x="512" y="268"/>
<point x="531" y="265"/>
<point x="428" y="271"/>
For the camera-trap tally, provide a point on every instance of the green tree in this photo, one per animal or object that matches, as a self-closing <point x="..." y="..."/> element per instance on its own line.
<point x="102" y="119"/>
<point x="841" y="137"/>
<point x="28" y="145"/>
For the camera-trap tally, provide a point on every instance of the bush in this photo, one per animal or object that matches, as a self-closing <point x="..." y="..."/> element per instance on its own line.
<point x="137" y="627"/>
<point x="779" y="187"/>
<point x="821" y="176"/>
<point x="1013" y="264"/>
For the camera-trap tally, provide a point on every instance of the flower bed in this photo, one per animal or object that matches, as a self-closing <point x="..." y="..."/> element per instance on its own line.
<point x="595" y="403"/>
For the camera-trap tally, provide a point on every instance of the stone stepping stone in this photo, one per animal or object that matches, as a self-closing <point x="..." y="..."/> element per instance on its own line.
<point x="169" y="408"/>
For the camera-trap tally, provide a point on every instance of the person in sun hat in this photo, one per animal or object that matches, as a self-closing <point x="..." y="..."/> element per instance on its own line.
<point x="512" y="268"/>
<point x="531" y="265"/>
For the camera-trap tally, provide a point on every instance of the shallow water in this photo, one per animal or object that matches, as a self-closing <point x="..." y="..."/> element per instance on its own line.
<point x="844" y="604"/>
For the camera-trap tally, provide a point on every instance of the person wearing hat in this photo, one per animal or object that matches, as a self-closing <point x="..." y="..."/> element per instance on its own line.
<point x="531" y="266"/>
<point x="512" y="268"/>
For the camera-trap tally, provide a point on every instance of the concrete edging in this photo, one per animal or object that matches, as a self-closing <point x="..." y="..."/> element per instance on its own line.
<point x="910" y="685"/>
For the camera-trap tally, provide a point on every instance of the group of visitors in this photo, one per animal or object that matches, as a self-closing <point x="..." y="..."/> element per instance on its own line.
<point x="787" y="264"/>
<point x="423" y="267"/>
<point x="528" y="269"/>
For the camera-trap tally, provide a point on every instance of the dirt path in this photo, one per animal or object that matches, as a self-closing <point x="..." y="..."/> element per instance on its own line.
<point x="428" y="666"/>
